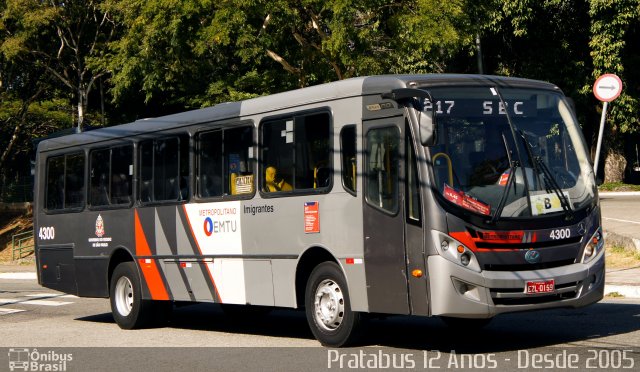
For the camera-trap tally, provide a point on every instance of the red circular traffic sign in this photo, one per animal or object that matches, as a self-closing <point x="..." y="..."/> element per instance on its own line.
<point x="607" y="87"/>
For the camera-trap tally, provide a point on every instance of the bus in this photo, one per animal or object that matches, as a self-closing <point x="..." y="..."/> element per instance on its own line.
<point x="457" y="196"/>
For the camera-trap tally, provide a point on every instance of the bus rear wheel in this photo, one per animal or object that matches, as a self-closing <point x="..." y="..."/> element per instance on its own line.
<point x="328" y="307"/>
<point x="129" y="310"/>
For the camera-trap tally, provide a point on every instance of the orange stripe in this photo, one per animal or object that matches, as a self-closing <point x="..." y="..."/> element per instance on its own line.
<point x="149" y="270"/>
<point x="215" y="288"/>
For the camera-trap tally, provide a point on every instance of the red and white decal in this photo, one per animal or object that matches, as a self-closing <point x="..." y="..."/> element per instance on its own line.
<point x="504" y="178"/>
<point x="465" y="201"/>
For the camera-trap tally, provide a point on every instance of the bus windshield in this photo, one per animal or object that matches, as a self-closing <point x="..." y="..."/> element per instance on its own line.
<point x="509" y="153"/>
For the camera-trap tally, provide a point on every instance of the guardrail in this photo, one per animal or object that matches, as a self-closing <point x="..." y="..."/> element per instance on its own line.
<point x="22" y="245"/>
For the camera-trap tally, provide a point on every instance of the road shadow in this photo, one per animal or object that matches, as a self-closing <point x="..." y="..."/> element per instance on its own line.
<point x="210" y="317"/>
<point x="507" y="332"/>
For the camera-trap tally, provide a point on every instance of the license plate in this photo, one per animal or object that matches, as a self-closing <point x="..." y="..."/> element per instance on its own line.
<point x="544" y="286"/>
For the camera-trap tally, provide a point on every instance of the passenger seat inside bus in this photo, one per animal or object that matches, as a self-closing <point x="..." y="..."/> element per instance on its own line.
<point x="272" y="183"/>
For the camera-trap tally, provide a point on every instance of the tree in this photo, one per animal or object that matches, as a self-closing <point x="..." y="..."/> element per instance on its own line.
<point x="63" y="37"/>
<point x="614" y="33"/>
<point x="201" y="52"/>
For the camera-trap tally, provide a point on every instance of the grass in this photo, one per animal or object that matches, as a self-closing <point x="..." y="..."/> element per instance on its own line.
<point x="618" y="186"/>
<point x="621" y="258"/>
<point x="614" y="295"/>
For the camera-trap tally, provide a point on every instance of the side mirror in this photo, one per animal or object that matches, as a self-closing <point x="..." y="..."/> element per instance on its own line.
<point x="419" y="100"/>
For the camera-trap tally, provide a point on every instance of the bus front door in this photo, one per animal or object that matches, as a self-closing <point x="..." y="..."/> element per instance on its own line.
<point x="383" y="210"/>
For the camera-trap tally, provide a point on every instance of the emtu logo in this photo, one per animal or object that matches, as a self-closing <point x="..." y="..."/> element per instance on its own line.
<point x="208" y="226"/>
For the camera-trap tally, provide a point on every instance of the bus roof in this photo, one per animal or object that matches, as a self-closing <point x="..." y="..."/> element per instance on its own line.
<point x="369" y="85"/>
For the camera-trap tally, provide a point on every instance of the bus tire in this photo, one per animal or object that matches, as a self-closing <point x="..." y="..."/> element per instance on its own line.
<point x="328" y="307"/>
<point x="129" y="310"/>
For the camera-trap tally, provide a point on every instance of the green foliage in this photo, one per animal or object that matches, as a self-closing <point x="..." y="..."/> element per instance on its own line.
<point x="612" y="25"/>
<point x="202" y="52"/>
<point x="162" y="56"/>
<point x="618" y="186"/>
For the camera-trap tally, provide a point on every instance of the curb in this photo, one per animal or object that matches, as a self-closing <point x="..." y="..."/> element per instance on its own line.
<point x="628" y="291"/>
<point x="618" y="193"/>
<point x="24" y="275"/>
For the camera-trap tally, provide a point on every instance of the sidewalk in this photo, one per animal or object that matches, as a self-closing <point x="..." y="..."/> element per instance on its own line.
<point x="622" y="230"/>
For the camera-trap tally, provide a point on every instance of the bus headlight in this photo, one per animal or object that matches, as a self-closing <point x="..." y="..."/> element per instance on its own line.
<point x="454" y="251"/>
<point x="594" y="246"/>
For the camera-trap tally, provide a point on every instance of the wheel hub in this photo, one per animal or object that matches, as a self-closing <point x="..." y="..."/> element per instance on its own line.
<point x="329" y="305"/>
<point x="124" y="296"/>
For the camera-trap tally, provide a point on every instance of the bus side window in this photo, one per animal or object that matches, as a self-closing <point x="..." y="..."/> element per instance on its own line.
<point x="382" y="168"/>
<point x="296" y="150"/>
<point x="65" y="182"/>
<point x="225" y="164"/>
<point x="74" y="181"/>
<point x="121" y="176"/>
<point x="238" y="172"/>
<point x="55" y="183"/>
<point x="348" y="147"/>
<point x="99" y="164"/>
<point x="164" y="163"/>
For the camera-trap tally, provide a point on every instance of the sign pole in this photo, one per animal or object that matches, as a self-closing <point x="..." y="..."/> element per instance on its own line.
<point x="602" y="119"/>
<point x="606" y="88"/>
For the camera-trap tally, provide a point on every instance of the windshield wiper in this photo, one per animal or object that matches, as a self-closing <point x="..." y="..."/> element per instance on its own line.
<point x="513" y="165"/>
<point x="550" y="182"/>
<point x="510" y="180"/>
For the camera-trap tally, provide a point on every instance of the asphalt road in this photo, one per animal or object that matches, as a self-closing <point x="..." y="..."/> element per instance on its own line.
<point x="202" y="336"/>
<point x="621" y="214"/>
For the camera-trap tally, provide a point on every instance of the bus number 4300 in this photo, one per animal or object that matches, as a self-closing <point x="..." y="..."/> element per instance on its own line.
<point x="47" y="233"/>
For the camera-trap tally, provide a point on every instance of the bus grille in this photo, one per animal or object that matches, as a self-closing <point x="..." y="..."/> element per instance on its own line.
<point x="528" y="266"/>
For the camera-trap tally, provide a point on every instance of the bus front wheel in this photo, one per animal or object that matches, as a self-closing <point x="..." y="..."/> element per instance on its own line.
<point x="328" y="307"/>
<point x="129" y="310"/>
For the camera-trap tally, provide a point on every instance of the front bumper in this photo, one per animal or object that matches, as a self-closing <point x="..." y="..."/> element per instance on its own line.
<point x="459" y="292"/>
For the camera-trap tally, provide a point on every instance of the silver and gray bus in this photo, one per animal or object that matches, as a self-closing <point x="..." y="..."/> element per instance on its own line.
<point x="458" y="196"/>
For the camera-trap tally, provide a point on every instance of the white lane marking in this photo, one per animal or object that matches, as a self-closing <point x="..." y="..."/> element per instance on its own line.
<point x="43" y="295"/>
<point x="46" y="303"/>
<point x="9" y="311"/>
<point x="19" y="276"/>
<point x="619" y="220"/>
<point x="51" y="295"/>
<point x="9" y="300"/>
<point x="33" y="302"/>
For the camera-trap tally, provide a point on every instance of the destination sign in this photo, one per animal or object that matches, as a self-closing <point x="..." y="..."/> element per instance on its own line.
<point x="482" y="107"/>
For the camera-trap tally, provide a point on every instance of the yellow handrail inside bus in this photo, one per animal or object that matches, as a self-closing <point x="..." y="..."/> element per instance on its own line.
<point x="450" y="166"/>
